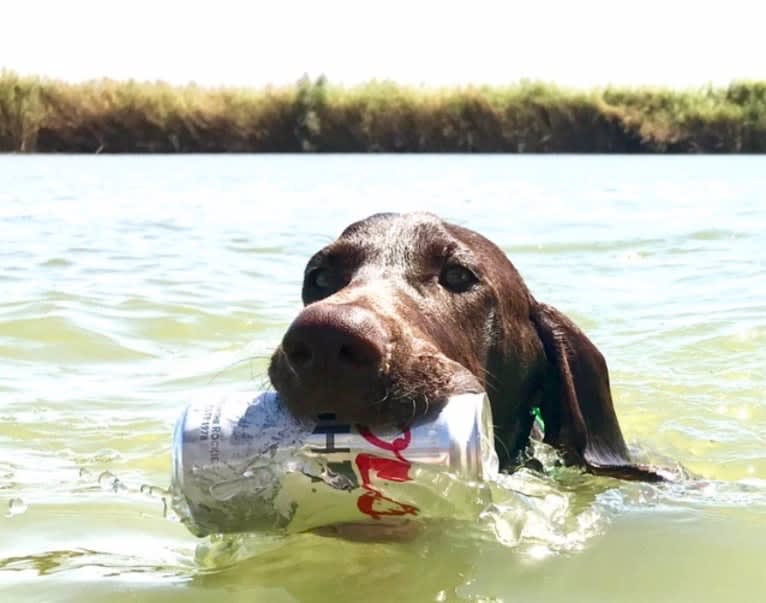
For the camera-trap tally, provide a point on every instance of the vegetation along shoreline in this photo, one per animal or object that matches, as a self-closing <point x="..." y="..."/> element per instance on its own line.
<point x="106" y="116"/>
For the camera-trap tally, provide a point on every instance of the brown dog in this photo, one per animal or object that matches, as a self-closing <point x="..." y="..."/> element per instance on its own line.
<point x="403" y="310"/>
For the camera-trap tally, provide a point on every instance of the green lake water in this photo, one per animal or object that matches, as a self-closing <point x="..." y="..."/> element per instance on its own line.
<point x="129" y="283"/>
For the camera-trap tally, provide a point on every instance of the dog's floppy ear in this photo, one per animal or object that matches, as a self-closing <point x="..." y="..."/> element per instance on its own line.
<point x="577" y="404"/>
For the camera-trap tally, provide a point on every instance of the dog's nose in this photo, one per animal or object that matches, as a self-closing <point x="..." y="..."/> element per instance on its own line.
<point x="330" y="340"/>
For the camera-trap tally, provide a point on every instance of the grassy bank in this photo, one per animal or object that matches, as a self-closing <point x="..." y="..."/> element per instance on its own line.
<point x="120" y="117"/>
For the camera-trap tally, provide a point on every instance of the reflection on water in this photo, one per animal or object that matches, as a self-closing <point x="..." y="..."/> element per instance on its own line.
<point x="128" y="283"/>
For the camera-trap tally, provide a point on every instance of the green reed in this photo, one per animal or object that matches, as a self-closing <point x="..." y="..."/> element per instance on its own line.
<point x="135" y="117"/>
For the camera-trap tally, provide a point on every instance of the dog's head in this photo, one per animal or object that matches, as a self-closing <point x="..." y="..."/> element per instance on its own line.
<point x="401" y="311"/>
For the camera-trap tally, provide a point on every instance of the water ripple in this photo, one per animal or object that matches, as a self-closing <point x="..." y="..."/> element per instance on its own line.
<point x="122" y="296"/>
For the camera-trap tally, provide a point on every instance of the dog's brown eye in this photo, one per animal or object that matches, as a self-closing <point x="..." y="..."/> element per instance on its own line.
<point x="457" y="278"/>
<point x="320" y="278"/>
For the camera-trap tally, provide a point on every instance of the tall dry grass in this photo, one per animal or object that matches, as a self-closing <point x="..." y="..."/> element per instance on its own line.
<point x="129" y="117"/>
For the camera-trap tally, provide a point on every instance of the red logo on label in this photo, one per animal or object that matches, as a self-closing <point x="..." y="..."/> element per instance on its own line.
<point x="372" y="502"/>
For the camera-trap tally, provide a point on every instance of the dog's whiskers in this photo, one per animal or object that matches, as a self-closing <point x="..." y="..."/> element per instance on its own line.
<point x="491" y="378"/>
<point x="382" y="400"/>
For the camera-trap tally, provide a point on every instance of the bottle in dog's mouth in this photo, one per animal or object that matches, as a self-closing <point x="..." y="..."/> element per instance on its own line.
<point x="246" y="463"/>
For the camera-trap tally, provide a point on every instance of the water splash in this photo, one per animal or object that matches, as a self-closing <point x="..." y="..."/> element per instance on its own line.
<point x="153" y="491"/>
<point x="157" y="493"/>
<point x="16" y="506"/>
<point x="110" y="482"/>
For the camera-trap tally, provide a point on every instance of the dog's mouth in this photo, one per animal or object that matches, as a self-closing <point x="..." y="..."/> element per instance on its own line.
<point x="404" y="395"/>
<point x="386" y="412"/>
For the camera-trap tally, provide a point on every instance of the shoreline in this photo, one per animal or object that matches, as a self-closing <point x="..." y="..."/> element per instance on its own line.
<point x="104" y="116"/>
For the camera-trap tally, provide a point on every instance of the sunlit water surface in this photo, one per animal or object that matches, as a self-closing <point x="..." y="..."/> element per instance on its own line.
<point x="126" y="283"/>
